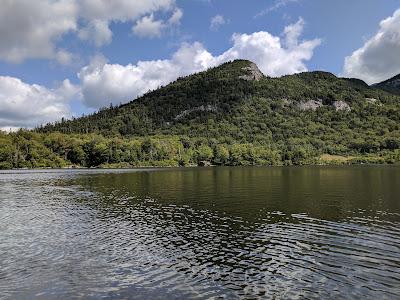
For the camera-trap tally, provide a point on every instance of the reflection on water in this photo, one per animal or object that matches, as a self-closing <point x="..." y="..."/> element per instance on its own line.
<point x="307" y="232"/>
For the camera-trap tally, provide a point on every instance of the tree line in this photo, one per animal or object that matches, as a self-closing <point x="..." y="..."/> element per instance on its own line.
<point x="27" y="149"/>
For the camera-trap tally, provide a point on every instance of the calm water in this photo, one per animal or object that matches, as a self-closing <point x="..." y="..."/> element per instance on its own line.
<point x="307" y="232"/>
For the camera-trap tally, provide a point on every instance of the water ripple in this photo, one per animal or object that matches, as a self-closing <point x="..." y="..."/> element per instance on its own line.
<point x="62" y="237"/>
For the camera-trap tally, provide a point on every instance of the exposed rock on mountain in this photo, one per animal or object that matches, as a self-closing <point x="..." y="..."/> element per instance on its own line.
<point x="209" y="108"/>
<point x="310" y="105"/>
<point x="341" y="105"/>
<point x="253" y="73"/>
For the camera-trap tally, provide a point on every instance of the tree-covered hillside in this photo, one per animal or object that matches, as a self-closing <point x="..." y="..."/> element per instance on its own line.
<point x="231" y="115"/>
<point x="391" y="85"/>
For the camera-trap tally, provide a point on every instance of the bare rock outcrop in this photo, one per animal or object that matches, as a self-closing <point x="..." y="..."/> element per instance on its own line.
<point x="286" y="102"/>
<point x="208" y="107"/>
<point x="341" y="105"/>
<point x="310" y="105"/>
<point x="253" y="73"/>
<point x="370" y="100"/>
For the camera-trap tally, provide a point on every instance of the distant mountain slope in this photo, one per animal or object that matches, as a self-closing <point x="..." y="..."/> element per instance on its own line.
<point x="220" y="94"/>
<point x="235" y="103"/>
<point x="228" y="115"/>
<point x="391" y="85"/>
<point x="219" y="87"/>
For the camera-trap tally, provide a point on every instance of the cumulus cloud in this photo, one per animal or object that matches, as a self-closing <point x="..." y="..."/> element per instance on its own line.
<point x="379" y="58"/>
<point x="151" y="28"/>
<point x="274" y="56"/>
<point x="27" y="105"/>
<point x="216" y="22"/>
<point x="100" y="13"/>
<point x="148" y="27"/>
<point x="29" y="29"/>
<point x="293" y="32"/>
<point x="64" y="57"/>
<point x="96" y="31"/>
<point x="103" y="83"/>
<point x="122" y="10"/>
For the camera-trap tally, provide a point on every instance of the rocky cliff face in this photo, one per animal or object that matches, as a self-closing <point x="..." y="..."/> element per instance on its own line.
<point x="310" y="105"/>
<point x="201" y="108"/>
<point x="315" y="104"/>
<point x="253" y="73"/>
<point x="341" y="105"/>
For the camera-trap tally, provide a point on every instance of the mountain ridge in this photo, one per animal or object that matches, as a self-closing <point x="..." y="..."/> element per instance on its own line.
<point x="391" y="85"/>
<point x="221" y="87"/>
<point x="228" y="115"/>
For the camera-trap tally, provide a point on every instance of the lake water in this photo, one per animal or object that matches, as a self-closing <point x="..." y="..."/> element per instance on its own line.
<point x="280" y="233"/>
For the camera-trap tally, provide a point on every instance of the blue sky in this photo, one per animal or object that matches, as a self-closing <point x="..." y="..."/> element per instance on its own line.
<point x="74" y="56"/>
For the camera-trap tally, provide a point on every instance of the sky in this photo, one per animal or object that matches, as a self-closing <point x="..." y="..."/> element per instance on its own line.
<point x="65" y="58"/>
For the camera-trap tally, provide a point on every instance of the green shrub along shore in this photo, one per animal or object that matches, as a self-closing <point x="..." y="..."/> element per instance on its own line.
<point x="229" y="115"/>
<point x="27" y="149"/>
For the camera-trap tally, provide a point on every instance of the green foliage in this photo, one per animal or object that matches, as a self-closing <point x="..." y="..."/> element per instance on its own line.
<point x="391" y="85"/>
<point x="218" y="117"/>
<point x="221" y="155"/>
<point x="204" y="153"/>
<point x="25" y="149"/>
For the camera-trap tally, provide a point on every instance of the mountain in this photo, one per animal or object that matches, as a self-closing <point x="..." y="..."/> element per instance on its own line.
<point x="391" y="85"/>
<point x="228" y="115"/>
<point x="231" y="95"/>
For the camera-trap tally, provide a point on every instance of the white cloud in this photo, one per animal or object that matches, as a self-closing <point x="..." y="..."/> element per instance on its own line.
<point x="379" y="58"/>
<point x="277" y="5"/>
<point x="68" y="91"/>
<point x="293" y="32"/>
<point x="29" y="29"/>
<point x="26" y="105"/>
<point x="103" y="83"/>
<point x="8" y="129"/>
<point x="216" y="22"/>
<point x="97" y="31"/>
<point x="122" y="10"/>
<point x="100" y="13"/>
<point x="270" y="53"/>
<point x="176" y="17"/>
<point x="64" y="57"/>
<point x="151" y="28"/>
<point x="148" y="27"/>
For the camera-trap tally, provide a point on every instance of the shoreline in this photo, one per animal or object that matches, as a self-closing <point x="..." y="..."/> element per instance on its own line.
<point x="201" y="167"/>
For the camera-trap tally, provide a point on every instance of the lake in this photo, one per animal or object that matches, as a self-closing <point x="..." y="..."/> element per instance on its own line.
<point x="239" y="232"/>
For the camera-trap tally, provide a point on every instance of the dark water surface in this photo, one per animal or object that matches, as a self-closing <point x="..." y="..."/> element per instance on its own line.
<point x="280" y="233"/>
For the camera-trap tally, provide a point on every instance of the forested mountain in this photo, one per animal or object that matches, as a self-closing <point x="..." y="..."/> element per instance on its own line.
<point x="391" y="85"/>
<point x="230" y="115"/>
<point x="220" y="96"/>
